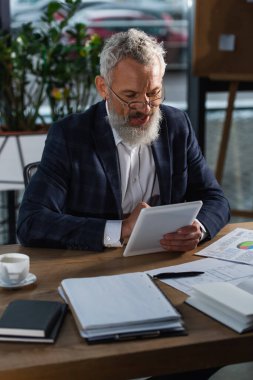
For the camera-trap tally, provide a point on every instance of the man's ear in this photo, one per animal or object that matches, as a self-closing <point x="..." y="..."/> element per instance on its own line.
<point x="101" y="86"/>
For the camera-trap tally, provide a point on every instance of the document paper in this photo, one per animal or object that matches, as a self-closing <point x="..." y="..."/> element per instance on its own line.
<point x="214" y="271"/>
<point x="236" y="246"/>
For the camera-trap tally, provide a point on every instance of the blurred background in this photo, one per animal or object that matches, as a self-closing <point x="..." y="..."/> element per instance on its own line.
<point x="164" y="19"/>
<point x="171" y="22"/>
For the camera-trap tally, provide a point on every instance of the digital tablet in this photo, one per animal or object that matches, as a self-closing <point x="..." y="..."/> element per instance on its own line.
<point x="154" y="222"/>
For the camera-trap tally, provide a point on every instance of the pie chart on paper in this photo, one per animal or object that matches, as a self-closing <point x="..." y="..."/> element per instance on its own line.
<point x="246" y="245"/>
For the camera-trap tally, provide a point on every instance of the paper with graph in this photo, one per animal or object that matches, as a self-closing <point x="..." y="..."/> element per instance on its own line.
<point x="236" y="246"/>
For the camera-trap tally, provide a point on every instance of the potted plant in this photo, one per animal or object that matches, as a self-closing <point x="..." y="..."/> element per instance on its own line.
<point x="54" y="63"/>
<point x="71" y="61"/>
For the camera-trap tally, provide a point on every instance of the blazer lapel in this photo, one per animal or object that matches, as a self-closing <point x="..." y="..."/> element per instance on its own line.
<point x="162" y="158"/>
<point x="107" y="152"/>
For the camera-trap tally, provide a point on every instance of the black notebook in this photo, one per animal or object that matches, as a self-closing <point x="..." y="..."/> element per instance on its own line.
<point x="32" y="320"/>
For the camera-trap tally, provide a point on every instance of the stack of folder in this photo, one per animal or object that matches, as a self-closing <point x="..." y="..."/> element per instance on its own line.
<point x="228" y="303"/>
<point x="120" y="307"/>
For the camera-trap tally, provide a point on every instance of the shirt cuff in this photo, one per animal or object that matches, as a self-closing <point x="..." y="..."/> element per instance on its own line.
<point x="204" y="232"/>
<point x="112" y="233"/>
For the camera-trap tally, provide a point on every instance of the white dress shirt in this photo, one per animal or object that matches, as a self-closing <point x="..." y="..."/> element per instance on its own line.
<point x="138" y="183"/>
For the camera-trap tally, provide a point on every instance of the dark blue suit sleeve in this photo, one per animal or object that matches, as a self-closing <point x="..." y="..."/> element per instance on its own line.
<point x="202" y="184"/>
<point x="45" y="218"/>
<point x="183" y="172"/>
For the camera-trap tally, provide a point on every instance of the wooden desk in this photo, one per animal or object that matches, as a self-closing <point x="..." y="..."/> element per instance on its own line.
<point x="208" y="344"/>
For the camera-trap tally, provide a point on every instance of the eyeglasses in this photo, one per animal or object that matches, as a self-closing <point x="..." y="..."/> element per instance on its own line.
<point x="152" y="102"/>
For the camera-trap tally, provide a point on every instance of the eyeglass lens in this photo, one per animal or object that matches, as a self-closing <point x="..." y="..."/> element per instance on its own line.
<point x="141" y="105"/>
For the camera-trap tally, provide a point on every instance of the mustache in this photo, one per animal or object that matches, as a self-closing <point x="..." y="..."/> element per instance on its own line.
<point x="134" y="135"/>
<point x="140" y="114"/>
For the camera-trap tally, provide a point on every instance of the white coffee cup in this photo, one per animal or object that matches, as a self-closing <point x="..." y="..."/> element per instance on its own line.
<point x="14" y="268"/>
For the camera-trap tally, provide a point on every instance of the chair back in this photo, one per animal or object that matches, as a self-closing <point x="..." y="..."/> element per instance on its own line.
<point x="29" y="171"/>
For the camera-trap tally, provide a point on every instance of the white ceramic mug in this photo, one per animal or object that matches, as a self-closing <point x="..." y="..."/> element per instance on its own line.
<point x="14" y="268"/>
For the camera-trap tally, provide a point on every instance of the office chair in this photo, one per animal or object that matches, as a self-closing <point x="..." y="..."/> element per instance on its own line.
<point x="29" y="171"/>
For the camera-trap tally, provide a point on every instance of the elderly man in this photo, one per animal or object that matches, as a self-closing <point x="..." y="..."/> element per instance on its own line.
<point x="101" y="167"/>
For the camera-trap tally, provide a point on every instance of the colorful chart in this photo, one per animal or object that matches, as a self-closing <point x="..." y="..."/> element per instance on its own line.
<point x="245" y="245"/>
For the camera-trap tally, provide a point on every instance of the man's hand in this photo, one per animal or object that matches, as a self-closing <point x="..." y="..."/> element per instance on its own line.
<point x="129" y="222"/>
<point x="184" y="239"/>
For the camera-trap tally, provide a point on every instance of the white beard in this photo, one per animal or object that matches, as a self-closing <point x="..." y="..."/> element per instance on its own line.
<point x="136" y="135"/>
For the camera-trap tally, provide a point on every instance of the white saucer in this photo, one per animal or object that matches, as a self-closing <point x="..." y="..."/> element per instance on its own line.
<point x="30" y="279"/>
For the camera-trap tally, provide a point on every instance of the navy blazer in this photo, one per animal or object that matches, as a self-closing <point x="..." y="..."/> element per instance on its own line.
<point x="77" y="185"/>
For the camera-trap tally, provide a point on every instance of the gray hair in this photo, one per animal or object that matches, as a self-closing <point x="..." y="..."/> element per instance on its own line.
<point x="134" y="44"/>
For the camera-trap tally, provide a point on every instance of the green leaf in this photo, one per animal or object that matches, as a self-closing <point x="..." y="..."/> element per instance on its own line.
<point x="39" y="58"/>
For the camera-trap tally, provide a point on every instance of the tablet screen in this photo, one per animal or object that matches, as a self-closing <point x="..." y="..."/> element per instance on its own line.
<point x="154" y="222"/>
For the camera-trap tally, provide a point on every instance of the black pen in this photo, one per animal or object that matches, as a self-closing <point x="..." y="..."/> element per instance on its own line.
<point x="176" y="274"/>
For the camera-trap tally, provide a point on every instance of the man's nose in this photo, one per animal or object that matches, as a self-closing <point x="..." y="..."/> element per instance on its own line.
<point x="145" y="105"/>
